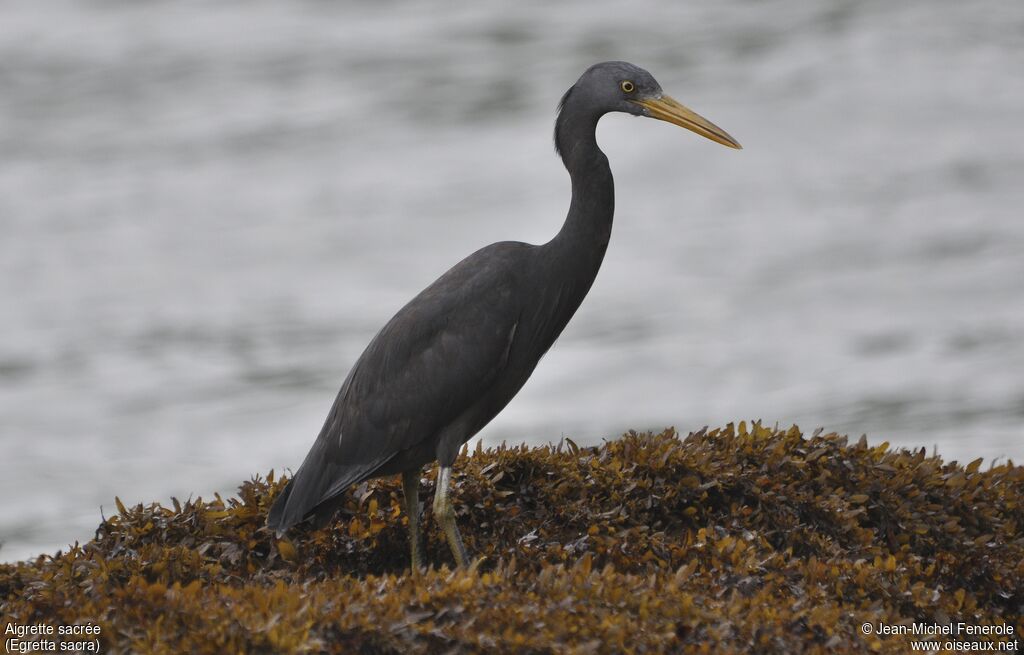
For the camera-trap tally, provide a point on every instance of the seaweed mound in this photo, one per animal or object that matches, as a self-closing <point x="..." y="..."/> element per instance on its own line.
<point x="742" y="539"/>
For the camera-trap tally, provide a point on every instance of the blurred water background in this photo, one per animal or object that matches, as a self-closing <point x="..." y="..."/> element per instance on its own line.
<point x="207" y="210"/>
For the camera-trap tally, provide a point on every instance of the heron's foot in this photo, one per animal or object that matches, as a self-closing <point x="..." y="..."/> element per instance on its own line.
<point x="411" y="487"/>
<point x="445" y="514"/>
<point x="455" y="542"/>
<point x="446" y="517"/>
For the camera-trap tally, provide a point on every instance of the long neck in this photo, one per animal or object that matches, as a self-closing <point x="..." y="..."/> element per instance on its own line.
<point x="583" y="239"/>
<point x="568" y="264"/>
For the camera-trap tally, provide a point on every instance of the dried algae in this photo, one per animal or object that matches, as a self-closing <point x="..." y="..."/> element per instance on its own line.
<point x="742" y="539"/>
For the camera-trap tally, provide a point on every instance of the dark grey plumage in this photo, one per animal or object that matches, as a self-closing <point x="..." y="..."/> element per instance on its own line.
<point x="452" y="358"/>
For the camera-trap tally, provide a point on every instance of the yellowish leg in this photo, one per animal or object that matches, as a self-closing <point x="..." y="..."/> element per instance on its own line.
<point x="445" y="514"/>
<point x="411" y="489"/>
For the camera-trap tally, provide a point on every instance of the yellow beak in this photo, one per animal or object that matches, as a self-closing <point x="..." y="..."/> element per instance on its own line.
<point x="668" y="109"/>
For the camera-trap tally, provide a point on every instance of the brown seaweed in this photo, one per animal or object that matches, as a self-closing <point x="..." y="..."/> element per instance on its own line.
<point x="742" y="539"/>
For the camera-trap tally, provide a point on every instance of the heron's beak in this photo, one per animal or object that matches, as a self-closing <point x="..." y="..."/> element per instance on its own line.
<point x="668" y="109"/>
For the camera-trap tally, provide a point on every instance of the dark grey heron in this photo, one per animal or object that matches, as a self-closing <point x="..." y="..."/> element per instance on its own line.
<point x="457" y="353"/>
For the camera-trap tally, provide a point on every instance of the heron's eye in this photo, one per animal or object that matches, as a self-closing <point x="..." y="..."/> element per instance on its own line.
<point x="627" y="86"/>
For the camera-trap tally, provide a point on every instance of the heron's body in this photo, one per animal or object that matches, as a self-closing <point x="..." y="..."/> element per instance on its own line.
<point x="455" y="355"/>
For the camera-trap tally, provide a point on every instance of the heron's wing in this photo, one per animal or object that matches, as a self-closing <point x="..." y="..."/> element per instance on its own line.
<point x="429" y="364"/>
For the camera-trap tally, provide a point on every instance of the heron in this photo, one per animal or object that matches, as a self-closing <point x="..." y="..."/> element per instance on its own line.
<point x="453" y="357"/>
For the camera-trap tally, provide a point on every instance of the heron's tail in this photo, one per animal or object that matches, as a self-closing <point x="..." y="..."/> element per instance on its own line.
<point x="311" y="491"/>
<point x="276" y="515"/>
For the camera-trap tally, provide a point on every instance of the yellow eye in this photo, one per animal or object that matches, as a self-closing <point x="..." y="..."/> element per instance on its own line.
<point x="627" y="86"/>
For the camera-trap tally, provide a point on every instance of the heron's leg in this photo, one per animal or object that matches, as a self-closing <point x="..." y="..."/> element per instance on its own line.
<point x="445" y="514"/>
<point x="411" y="491"/>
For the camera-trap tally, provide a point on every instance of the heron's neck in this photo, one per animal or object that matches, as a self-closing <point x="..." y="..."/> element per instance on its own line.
<point x="588" y="225"/>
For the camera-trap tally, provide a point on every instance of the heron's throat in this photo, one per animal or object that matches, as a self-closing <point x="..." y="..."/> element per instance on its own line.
<point x="588" y="224"/>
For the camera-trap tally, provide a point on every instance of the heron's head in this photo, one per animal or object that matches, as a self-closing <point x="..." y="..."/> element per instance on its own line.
<point x="621" y="86"/>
